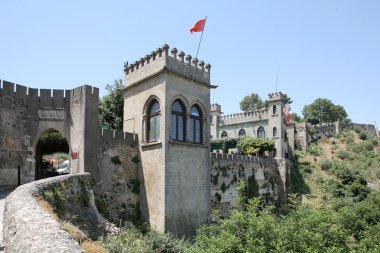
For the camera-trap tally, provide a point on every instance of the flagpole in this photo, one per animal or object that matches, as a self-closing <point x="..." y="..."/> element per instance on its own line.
<point x="199" y="45"/>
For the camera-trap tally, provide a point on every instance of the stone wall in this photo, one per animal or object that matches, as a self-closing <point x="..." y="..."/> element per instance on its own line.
<point x="29" y="228"/>
<point x="267" y="178"/>
<point x="118" y="187"/>
<point x="26" y="114"/>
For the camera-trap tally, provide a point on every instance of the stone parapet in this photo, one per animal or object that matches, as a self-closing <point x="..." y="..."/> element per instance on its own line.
<point x="29" y="228"/>
<point x="45" y="98"/>
<point x="160" y="60"/>
<point x="237" y="118"/>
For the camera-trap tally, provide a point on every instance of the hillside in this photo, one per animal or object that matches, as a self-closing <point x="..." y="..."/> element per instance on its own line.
<point x="343" y="168"/>
<point x="334" y="208"/>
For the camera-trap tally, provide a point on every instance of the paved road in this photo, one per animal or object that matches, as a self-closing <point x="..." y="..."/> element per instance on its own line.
<point x="3" y="194"/>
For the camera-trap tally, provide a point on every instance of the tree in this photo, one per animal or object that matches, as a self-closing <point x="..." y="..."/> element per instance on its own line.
<point x="322" y="110"/>
<point x="111" y="106"/>
<point x="251" y="103"/>
<point x="295" y="117"/>
<point x="286" y="99"/>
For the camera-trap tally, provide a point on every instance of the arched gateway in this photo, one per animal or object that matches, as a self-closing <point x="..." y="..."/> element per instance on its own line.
<point x="26" y="114"/>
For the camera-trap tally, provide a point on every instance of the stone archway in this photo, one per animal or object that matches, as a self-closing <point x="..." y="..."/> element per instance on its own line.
<point x="40" y="166"/>
<point x="27" y="113"/>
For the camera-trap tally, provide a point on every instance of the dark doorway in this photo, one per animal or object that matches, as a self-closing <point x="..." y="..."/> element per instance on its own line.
<point x="51" y="152"/>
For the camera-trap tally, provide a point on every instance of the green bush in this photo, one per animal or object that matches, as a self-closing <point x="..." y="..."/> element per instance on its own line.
<point x="253" y="230"/>
<point x="345" y="155"/>
<point x="115" y="160"/>
<point x="313" y="149"/>
<point x="254" y="145"/>
<point x="325" y="164"/>
<point x="135" y="159"/>
<point x="135" y="186"/>
<point x="224" y="144"/>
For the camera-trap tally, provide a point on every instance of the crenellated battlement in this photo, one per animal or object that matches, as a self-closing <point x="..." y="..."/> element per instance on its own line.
<point x="87" y="90"/>
<point x="275" y="96"/>
<point x="242" y="117"/>
<point x="216" y="107"/>
<point x="112" y="136"/>
<point x="45" y="98"/>
<point x="160" y="60"/>
<point x="234" y="157"/>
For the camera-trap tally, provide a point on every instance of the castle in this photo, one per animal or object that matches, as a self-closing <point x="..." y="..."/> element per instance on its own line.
<point x="268" y="122"/>
<point x="165" y="144"/>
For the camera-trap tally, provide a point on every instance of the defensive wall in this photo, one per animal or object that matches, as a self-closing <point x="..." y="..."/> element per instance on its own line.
<point x="26" y="114"/>
<point x="267" y="178"/>
<point x="30" y="228"/>
<point x="119" y="179"/>
<point x="306" y="132"/>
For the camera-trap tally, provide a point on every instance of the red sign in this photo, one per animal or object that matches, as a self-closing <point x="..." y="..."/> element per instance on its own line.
<point x="74" y="155"/>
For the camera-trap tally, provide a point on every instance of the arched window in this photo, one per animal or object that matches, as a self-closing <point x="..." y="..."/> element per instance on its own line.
<point x="153" y="123"/>
<point x="195" y="133"/>
<point x="275" y="109"/>
<point x="261" y="132"/>
<point x="274" y="131"/>
<point x="224" y="135"/>
<point x="241" y="133"/>
<point x="178" y="121"/>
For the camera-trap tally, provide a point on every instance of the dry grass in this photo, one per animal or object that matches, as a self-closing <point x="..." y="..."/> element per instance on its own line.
<point x="74" y="232"/>
<point x="48" y="208"/>
<point x="92" y="247"/>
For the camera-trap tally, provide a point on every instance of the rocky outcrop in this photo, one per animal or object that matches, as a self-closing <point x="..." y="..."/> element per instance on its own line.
<point x="29" y="228"/>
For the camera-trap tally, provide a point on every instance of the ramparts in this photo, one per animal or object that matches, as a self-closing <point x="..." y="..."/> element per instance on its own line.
<point x="267" y="178"/>
<point x="160" y="60"/>
<point x="29" y="228"/>
<point x="43" y="97"/>
<point x="237" y="118"/>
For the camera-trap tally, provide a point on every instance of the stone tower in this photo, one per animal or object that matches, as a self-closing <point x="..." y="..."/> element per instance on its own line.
<point x="167" y="103"/>
<point x="277" y="126"/>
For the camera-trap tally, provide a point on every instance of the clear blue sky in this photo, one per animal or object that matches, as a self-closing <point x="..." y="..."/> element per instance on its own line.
<point x="325" y="48"/>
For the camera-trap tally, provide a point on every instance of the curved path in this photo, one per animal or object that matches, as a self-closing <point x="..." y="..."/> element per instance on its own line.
<point x="4" y="192"/>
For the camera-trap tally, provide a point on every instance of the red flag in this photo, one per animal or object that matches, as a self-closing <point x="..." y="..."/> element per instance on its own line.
<point x="198" y="27"/>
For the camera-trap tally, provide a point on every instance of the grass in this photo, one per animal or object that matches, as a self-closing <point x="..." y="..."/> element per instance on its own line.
<point x="48" y="208"/>
<point x="74" y="231"/>
<point x="93" y="247"/>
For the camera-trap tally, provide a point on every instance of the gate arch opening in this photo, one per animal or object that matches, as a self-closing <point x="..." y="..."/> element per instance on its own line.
<point x="51" y="154"/>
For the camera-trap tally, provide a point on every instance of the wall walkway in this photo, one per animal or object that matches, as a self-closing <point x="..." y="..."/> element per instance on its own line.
<point x="29" y="228"/>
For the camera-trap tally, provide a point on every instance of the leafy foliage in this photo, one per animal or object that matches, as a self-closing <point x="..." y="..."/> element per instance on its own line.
<point x="224" y="144"/>
<point x="53" y="142"/>
<point x="111" y="106"/>
<point x="135" y="240"/>
<point x="254" y="145"/>
<point x="255" y="230"/>
<point x="251" y="103"/>
<point x="286" y="99"/>
<point x="322" y="110"/>
<point x="295" y="117"/>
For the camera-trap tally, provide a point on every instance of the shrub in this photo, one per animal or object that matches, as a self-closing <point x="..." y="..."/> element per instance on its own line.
<point x="345" y="155"/>
<point x="313" y="149"/>
<point x="223" y="187"/>
<point x="224" y="144"/>
<point x="135" y="159"/>
<point x="135" y="186"/>
<point x="325" y="164"/>
<point x="253" y="145"/>
<point x="115" y="160"/>
<point x="349" y="140"/>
